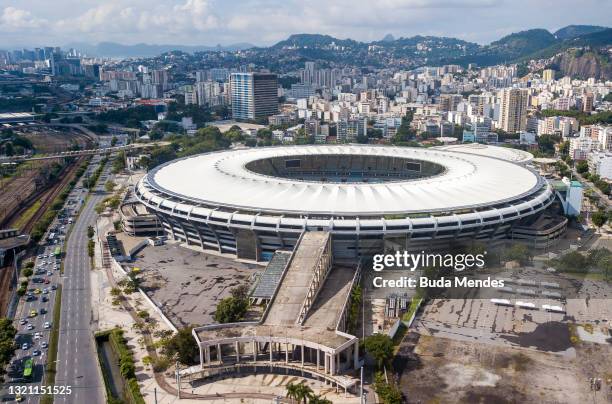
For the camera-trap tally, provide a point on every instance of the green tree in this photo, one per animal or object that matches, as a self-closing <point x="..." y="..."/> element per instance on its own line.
<point x="299" y="392"/>
<point x="582" y="167"/>
<point x="599" y="218"/>
<point x="404" y="133"/>
<point x="573" y="261"/>
<point x="387" y="392"/>
<point x="292" y="391"/>
<point x="316" y="399"/>
<point x="183" y="347"/>
<point x="109" y="186"/>
<point x="240" y="292"/>
<point x="380" y="347"/>
<point x="564" y="148"/>
<point x="230" y="310"/>
<point x="517" y="252"/>
<point x="127" y="369"/>
<point x="118" y="163"/>
<point x="9" y="150"/>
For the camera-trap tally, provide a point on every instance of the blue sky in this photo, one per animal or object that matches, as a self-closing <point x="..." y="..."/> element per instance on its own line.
<point x="264" y="22"/>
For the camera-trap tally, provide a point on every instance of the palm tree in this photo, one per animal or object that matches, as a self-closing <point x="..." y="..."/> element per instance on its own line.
<point x="315" y="399"/>
<point x="304" y="393"/>
<point x="292" y="391"/>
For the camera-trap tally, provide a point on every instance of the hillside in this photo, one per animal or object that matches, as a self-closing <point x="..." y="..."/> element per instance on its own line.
<point x="583" y="64"/>
<point x="315" y="41"/>
<point x="593" y="40"/>
<point x="573" y="31"/>
<point x="402" y="52"/>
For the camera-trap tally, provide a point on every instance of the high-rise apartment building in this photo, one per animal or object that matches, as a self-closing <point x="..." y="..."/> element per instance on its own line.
<point x="191" y="98"/>
<point x="587" y="102"/>
<point x="513" y="114"/>
<point x="160" y="77"/>
<point x="548" y="75"/>
<point x="254" y="95"/>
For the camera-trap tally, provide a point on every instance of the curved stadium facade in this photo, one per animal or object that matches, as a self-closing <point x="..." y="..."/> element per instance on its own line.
<point x="252" y="202"/>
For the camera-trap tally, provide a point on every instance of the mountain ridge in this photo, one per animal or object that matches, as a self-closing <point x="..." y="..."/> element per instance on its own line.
<point x="114" y="49"/>
<point x="403" y="52"/>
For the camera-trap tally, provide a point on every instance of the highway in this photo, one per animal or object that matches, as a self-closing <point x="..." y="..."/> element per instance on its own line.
<point x="77" y="364"/>
<point x="31" y="329"/>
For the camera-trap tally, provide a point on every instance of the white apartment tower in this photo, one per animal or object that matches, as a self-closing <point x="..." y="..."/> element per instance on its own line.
<point x="513" y="115"/>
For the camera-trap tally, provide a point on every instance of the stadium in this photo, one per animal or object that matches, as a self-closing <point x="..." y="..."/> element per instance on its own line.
<point x="253" y="202"/>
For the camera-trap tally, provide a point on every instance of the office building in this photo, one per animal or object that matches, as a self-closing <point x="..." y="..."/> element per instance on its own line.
<point x="254" y="95"/>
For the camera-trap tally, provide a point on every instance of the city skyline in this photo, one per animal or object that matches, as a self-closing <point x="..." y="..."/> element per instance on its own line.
<point x="264" y="22"/>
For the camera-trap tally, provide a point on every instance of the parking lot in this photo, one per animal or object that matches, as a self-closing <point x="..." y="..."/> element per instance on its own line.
<point x="187" y="284"/>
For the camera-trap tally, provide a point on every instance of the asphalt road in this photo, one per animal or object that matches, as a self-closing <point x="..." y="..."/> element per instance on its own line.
<point x="603" y="198"/>
<point x="77" y="364"/>
<point x="29" y="326"/>
<point x="75" y="326"/>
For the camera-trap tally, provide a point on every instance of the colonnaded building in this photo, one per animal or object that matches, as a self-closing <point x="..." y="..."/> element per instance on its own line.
<point x="252" y="202"/>
<point x="313" y="212"/>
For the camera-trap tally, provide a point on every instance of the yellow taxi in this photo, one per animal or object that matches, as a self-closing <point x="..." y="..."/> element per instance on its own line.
<point x="33" y="313"/>
<point x="37" y="291"/>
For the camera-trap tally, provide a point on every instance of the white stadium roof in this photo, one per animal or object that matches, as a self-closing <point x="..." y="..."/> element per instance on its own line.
<point x="221" y="179"/>
<point x="504" y="153"/>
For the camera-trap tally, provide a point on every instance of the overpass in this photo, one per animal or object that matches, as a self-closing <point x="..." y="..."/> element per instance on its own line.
<point x="75" y="153"/>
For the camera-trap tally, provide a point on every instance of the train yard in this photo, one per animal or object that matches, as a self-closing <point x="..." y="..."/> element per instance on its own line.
<point x="28" y="193"/>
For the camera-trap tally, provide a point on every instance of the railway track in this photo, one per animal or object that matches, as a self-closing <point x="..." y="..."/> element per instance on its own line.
<point x="49" y="196"/>
<point x="46" y="197"/>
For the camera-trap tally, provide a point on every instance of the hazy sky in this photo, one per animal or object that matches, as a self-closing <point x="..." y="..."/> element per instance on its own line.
<point x="263" y="22"/>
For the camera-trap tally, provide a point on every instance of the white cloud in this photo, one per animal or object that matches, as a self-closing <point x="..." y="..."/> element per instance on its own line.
<point x="262" y="22"/>
<point x="151" y="18"/>
<point x="13" y="19"/>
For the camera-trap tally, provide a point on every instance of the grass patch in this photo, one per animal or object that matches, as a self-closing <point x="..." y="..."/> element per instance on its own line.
<point x="50" y="369"/>
<point x="588" y="328"/>
<point x="27" y="215"/>
<point x="399" y="336"/>
<point x="414" y="305"/>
